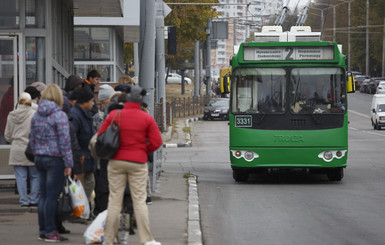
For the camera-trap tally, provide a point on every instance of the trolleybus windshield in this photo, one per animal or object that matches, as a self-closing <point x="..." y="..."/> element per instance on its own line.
<point x="279" y="90"/>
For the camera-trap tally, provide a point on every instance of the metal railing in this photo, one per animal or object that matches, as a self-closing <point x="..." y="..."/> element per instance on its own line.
<point x="180" y="108"/>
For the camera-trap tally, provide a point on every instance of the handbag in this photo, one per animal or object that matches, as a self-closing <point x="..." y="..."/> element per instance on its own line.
<point x="64" y="205"/>
<point x="108" y="142"/>
<point x="28" y="153"/>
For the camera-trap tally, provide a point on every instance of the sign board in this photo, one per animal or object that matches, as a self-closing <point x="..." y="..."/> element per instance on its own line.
<point x="288" y="53"/>
<point x="220" y="30"/>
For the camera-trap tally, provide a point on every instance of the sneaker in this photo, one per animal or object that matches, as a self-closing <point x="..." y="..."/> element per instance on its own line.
<point x="148" y="200"/>
<point x="41" y="237"/>
<point x="153" y="242"/>
<point x="56" y="237"/>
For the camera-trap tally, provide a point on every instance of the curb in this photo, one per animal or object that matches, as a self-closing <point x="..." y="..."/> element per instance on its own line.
<point x="194" y="227"/>
<point x="187" y="135"/>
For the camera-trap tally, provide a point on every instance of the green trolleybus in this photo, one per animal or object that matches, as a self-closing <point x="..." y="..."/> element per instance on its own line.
<point x="288" y="105"/>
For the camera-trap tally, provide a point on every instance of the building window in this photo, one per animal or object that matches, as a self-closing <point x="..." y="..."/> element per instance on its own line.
<point x="92" y="44"/>
<point x="35" y="13"/>
<point x="35" y="59"/>
<point x="104" y="70"/>
<point x="9" y="14"/>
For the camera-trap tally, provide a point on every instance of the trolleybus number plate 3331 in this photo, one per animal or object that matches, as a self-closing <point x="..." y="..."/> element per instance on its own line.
<point x="243" y="121"/>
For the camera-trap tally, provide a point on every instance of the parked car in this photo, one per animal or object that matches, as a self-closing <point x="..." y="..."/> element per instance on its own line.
<point x="381" y="88"/>
<point x="358" y="80"/>
<point x="217" y="108"/>
<point x="372" y="86"/>
<point x="364" y="86"/>
<point x="176" y="78"/>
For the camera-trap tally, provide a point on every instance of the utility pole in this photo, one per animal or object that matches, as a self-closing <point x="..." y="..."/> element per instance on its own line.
<point x="196" y="69"/>
<point x="147" y="51"/>
<point x="208" y="63"/>
<point x="334" y="23"/>
<point x="349" y="13"/>
<point x="160" y="61"/>
<point x="383" y="52"/>
<point x="367" y="39"/>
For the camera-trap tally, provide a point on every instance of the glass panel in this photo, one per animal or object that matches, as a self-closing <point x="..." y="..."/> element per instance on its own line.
<point x="9" y="14"/>
<point x="259" y="90"/>
<point x="35" y="13"/>
<point x="35" y="59"/>
<point x="104" y="70"/>
<point x="317" y="90"/>
<point x="6" y="83"/>
<point x="92" y="44"/>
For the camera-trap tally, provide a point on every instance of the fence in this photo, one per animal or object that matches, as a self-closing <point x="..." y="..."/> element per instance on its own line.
<point x="180" y="108"/>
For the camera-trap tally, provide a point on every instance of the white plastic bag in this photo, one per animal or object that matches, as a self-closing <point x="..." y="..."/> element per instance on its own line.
<point x="95" y="232"/>
<point x="79" y="199"/>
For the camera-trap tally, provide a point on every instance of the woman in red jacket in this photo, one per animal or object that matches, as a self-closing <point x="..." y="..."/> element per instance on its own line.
<point x="139" y="136"/>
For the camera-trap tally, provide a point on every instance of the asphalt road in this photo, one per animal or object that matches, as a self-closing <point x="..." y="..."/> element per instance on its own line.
<point x="289" y="208"/>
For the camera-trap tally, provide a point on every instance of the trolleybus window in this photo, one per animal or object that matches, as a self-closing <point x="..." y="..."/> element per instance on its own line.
<point x="317" y="91"/>
<point x="259" y="90"/>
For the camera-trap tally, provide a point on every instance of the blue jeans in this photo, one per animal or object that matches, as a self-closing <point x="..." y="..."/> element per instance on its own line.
<point x="21" y="174"/>
<point x="51" y="171"/>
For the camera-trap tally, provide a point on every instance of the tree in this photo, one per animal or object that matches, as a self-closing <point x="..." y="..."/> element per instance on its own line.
<point x="190" y="21"/>
<point x="357" y="30"/>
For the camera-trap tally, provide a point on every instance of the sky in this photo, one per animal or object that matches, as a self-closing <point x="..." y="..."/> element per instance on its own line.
<point x="293" y="3"/>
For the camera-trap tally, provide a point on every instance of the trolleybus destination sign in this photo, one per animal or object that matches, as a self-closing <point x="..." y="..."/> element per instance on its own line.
<point x="288" y="53"/>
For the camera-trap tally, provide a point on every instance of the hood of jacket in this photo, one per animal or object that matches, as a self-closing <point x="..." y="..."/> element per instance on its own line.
<point x="72" y="82"/>
<point x="20" y="114"/>
<point x="47" y="108"/>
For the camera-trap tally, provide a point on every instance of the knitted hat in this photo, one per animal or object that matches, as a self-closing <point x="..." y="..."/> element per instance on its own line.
<point x="73" y="95"/>
<point x="84" y="95"/>
<point x="39" y="86"/>
<point x="105" y="91"/>
<point x="25" y="98"/>
<point x="33" y="92"/>
<point x="135" y="94"/>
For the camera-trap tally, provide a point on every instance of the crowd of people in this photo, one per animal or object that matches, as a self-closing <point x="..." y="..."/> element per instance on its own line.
<point x="58" y="124"/>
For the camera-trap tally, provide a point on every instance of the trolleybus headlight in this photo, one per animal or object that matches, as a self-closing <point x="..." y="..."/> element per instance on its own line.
<point x="249" y="155"/>
<point x="339" y="154"/>
<point x="328" y="155"/>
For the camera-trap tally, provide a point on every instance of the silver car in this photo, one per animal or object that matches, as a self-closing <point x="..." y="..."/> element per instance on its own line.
<point x="176" y="78"/>
<point x="381" y="88"/>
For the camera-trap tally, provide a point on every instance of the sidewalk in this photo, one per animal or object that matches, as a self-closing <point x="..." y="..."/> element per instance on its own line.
<point x="174" y="214"/>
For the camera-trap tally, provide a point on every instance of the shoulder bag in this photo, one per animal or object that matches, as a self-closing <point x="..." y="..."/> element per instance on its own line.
<point x="108" y="142"/>
<point x="64" y="205"/>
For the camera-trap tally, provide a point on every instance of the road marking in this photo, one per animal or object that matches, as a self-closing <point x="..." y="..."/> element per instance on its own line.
<point x="360" y="114"/>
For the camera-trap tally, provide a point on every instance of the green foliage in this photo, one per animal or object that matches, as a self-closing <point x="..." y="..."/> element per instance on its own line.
<point x="190" y="21"/>
<point x="358" y="29"/>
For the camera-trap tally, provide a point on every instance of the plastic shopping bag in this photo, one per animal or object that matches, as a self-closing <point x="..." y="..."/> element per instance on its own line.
<point x="79" y="199"/>
<point x="95" y="232"/>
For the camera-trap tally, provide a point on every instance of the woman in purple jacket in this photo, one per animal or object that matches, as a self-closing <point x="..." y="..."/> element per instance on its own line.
<point x="51" y="145"/>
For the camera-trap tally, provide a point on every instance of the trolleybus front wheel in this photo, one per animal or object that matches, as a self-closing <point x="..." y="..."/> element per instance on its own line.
<point x="335" y="174"/>
<point x="240" y="175"/>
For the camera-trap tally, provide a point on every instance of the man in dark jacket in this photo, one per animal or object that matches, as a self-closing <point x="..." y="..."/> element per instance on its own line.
<point x="92" y="80"/>
<point x="83" y="123"/>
